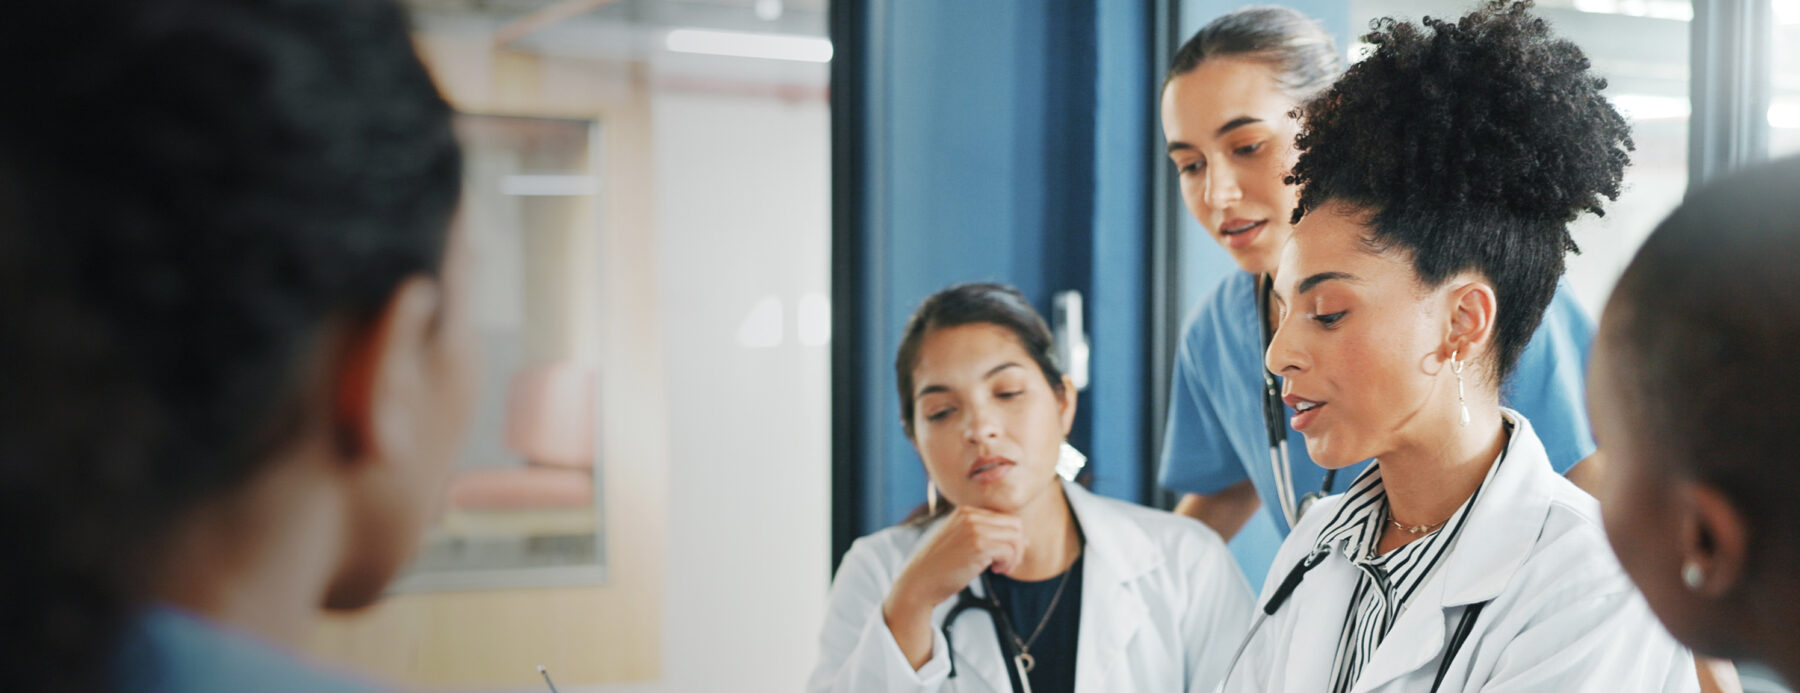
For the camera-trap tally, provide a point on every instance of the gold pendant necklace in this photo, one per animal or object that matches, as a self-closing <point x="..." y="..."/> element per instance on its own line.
<point x="1416" y="530"/>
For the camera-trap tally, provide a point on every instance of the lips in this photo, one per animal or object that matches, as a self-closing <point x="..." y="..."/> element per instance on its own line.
<point x="1240" y="233"/>
<point x="990" y="469"/>
<point x="1306" y="410"/>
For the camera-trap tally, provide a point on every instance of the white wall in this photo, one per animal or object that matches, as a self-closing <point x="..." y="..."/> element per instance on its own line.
<point x="743" y="214"/>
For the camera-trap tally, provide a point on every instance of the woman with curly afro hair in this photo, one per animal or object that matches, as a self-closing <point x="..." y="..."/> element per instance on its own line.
<point x="1438" y="179"/>
<point x="1226" y="115"/>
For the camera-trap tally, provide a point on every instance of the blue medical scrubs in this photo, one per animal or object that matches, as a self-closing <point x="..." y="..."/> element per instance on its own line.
<point x="167" y="650"/>
<point x="1215" y="436"/>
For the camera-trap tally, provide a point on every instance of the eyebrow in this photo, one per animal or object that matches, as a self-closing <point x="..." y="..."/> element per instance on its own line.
<point x="1313" y="282"/>
<point x="934" y="389"/>
<point x="1309" y="283"/>
<point x="1235" y="123"/>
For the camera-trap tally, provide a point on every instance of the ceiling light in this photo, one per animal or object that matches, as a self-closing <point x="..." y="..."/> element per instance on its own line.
<point x="1641" y="107"/>
<point x="548" y="185"/>
<point x="745" y="45"/>
<point x="1784" y="116"/>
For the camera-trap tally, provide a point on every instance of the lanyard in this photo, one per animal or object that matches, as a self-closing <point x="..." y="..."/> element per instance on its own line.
<point x="1275" y="422"/>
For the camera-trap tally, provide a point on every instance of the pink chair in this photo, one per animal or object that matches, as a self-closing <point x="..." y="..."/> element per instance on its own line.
<point x="550" y="424"/>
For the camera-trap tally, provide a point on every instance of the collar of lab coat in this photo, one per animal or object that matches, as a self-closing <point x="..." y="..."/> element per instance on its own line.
<point x="1117" y="553"/>
<point x="1504" y="524"/>
<point x="1112" y="608"/>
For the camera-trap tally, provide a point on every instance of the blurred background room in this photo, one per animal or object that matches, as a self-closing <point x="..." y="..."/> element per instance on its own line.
<point x="700" y="224"/>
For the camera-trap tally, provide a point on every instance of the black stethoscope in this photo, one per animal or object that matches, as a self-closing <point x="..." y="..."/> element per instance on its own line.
<point x="1275" y="424"/>
<point x="966" y="600"/>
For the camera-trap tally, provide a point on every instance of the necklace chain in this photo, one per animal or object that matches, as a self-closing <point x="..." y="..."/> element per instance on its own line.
<point x="1417" y="530"/>
<point x="1025" y="644"/>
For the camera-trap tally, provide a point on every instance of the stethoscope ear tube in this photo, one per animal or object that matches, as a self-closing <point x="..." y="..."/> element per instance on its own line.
<point x="1292" y="581"/>
<point x="1276" y="599"/>
<point x="965" y="600"/>
<point x="1275" y="424"/>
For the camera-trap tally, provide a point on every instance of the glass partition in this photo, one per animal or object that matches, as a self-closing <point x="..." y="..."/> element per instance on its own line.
<point x="521" y="509"/>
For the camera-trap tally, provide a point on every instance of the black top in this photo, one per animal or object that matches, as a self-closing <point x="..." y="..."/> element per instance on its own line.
<point x="1025" y="604"/>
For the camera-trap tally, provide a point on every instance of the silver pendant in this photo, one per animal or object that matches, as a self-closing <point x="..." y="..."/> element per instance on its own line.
<point x="1023" y="664"/>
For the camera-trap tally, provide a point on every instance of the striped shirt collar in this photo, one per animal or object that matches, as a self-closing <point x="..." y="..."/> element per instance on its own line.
<point x="1386" y="582"/>
<point x="1355" y="527"/>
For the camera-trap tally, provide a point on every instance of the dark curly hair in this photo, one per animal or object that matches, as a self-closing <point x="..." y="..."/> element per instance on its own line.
<point x="1471" y="145"/>
<point x="196" y="194"/>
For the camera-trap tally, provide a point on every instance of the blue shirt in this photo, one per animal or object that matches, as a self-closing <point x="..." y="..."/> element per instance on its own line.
<point x="1215" y="436"/>
<point x="171" y="651"/>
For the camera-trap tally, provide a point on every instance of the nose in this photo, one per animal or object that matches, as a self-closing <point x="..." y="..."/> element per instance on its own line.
<point x="1221" y="187"/>
<point x="1284" y="356"/>
<point x="982" y="424"/>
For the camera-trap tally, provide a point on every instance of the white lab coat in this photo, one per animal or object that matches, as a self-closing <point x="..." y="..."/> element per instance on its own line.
<point x="1163" y="606"/>
<point x="1563" y="615"/>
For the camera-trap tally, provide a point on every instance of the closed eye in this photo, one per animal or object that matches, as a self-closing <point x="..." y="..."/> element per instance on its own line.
<point x="1330" y="319"/>
<point x="1010" y="395"/>
<point x="939" y="415"/>
<point x="1248" y="149"/>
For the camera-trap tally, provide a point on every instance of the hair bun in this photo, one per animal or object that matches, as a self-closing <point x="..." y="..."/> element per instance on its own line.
<point x="1491" y="111"/>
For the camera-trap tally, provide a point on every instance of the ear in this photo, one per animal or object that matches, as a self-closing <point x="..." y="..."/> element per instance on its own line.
<point x="382" y="370"/>
<point x="1067" y="404"/>
<point x="1472" y="313"/>
<point x="1714" y="536"/>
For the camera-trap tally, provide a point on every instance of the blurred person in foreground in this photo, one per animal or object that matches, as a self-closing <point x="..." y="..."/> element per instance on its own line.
<point x="1695" y="390"/>
<point x="236" y="359"/>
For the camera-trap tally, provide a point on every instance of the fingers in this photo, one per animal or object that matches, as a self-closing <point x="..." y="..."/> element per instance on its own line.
<point x="997" y="540"/>
<point x="1004" y="547"/>
<point x="969" y="541"/>
<point x="988" y="518"/>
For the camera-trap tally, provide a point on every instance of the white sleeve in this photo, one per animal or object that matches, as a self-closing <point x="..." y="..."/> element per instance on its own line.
<point x="857" y="652"/>
<point x="1609" y="642"/>
<point x="1218" y="615"/>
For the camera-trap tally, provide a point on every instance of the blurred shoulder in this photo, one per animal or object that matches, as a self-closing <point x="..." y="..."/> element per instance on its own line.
<point x="889" y="548"/>
<point x="1181" y="540"/>
<point x="1232" y="301"/>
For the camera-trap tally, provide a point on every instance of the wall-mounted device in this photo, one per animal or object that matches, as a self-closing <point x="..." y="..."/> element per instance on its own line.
<point x="1066" y="325"/>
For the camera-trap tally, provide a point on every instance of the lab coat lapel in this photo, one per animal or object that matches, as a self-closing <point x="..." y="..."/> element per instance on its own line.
<point x="1505" y="522"/>
<point x="1311" y="639"/>
<point x="1112" y="607"/>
